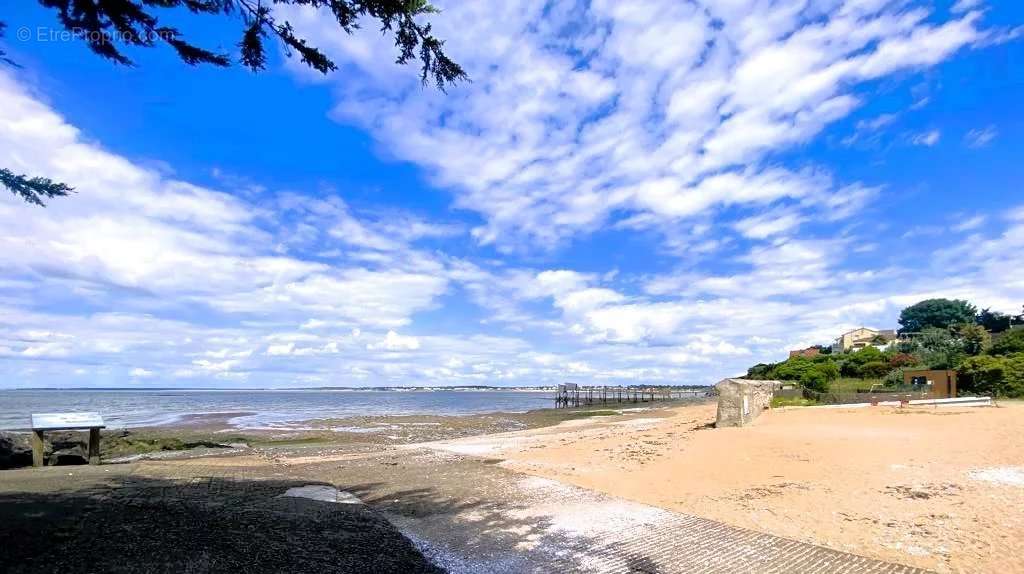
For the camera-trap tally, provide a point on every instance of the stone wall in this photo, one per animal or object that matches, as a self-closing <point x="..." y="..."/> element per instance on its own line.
<point x="740" y="401"/>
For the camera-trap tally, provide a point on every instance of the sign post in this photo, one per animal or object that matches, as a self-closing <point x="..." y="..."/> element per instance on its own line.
<point x="41" y="422"/>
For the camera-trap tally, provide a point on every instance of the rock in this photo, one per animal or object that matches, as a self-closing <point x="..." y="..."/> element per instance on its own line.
<point x="64" y="450"/>
<point x="15" y="450"/>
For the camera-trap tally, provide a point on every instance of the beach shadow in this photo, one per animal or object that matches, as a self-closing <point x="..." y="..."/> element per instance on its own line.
<point x="467" y="536"/>
<point x="145" y="525"/>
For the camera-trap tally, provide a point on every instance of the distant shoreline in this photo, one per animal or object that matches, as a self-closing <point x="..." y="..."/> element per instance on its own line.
<point x="454" y="388"/>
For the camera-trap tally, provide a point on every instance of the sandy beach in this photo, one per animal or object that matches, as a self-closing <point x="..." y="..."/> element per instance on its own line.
<point x="941" y="489"/>
<point x="654" y="488"/>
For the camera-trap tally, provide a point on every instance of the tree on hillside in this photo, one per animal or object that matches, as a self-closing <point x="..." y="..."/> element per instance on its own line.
<point x="110" y="26"/>
<point x="940" y="349"/>
<point x="760" y="371"/>
<point x="993" y="321"/>
<point x="975" y="338"/>
<point x="819" y="377"/>
<point x="1010" y="343"/>
<point x="939" y="313"/>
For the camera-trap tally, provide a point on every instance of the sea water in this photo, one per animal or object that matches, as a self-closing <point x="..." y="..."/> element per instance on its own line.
<point x="252" y="409"/>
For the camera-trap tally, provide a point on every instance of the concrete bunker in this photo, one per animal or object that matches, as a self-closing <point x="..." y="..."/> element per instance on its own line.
<point x="740" y="401"/>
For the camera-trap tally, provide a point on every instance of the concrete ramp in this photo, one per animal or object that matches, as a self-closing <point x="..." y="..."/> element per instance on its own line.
<point x="563" y="528"/>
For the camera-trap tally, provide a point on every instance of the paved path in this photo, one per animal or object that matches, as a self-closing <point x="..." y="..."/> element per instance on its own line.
<point x="511" y="523"/>
<point x="576" y="530"/>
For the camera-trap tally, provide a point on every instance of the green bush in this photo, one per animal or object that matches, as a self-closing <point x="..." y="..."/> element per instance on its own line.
<point x="793" y="369"/>
<point x="1010" y="343"/>
<point x="792" y="402"/>
<point x="761" y="371"/>
<point x="874" y="369"/>
<point x="818" y="377"/>
<point x="893" y="378"/>
<point x="1015" y="375"/>
<point x="941" y="349"/>
<point x="995" y="376"/>
<point x="866" y="355"/>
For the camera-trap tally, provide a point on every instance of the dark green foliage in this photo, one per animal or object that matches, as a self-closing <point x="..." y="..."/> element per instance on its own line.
<point x="812" y="374"/>
<point x="108" y="26"/>
<point x="1009" y="343"/>
<point x="761" y="371"/>
<point x="851" y="364"/>
<point x="874" y="369"/>
<point x="792" y="369"/>
<point x="866" y="355"/>
<point x="34" y="189"/>
<point x="819" y="376"/>
<point x="995" y="376"/>
<point x="849" y="369"/>
<point x="936" y="313"/>
<point x="993" y="321"/>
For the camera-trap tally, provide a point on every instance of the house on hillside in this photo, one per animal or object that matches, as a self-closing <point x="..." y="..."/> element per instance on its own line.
<point x="808" y="353"/>
<point x="861" y="337"/>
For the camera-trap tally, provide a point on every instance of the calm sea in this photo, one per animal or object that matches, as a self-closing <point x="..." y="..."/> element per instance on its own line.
<point x="269" y="408"/>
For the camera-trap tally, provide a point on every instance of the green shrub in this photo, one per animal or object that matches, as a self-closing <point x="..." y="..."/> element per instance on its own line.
<point x="761" y="371"/>
<point x="866" y="355"/>
<point x="792" y="402"/>
<point x="1010" y="343"/>
<point x="893" y="378"/>
<point x="793" y="369"/>
<point x="995" y="376"/>
<point x="818" y="377"/>
<point x="875" y="369"/>
<point x="1015" y="375"/>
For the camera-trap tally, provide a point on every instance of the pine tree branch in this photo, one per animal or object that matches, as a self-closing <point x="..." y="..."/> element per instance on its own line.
<point x="32" y="190"/>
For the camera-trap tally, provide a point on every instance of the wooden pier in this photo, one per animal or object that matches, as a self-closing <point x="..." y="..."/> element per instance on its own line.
<point x="573" y="395"/>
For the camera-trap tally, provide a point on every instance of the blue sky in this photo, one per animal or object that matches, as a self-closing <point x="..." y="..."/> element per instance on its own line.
<point x="621" y="195"/>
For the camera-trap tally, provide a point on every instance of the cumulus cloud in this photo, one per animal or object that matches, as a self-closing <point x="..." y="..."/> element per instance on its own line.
<point x="652" y="113"/>
<point x="392" y="341"/>
<point x="663" y="126"/>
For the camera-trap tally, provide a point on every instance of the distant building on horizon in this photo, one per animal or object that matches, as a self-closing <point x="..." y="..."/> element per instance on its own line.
<point x="861" y="337"/>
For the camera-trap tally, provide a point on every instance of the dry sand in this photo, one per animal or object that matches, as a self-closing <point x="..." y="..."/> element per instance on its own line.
<point x="939" y="488"/>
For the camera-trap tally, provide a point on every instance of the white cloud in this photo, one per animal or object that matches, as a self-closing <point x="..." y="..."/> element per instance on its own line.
<point x="658" y="119"/>
<point x="966" y="5"/>
<point x="769" y="224"/>
<point x="282" y="349"/>
<point x="979" y="138"/>
<point x="628" y="111"/>
<point x="970" y="223"/>
<point x="928" y="138"/>
<point x="395" y="342"/>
